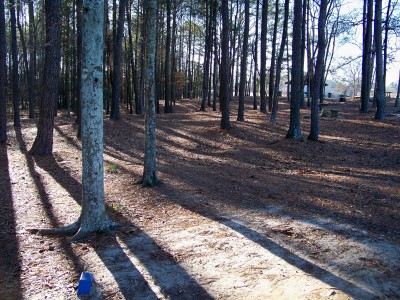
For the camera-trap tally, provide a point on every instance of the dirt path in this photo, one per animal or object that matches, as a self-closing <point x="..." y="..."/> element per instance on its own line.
<point x="243" y="214"/>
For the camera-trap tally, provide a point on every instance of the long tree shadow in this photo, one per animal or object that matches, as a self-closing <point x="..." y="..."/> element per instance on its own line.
<point x="169" y="278"/>
<point x="10" y="267"/>
<point x="46" y="204"/>
<point x="291" y="258"/>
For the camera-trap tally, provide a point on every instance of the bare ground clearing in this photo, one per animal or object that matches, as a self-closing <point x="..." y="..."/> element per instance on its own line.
<point x="240" y="214"/>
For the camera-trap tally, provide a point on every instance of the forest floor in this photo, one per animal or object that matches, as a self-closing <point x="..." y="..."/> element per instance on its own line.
<point x="240" y="214"/>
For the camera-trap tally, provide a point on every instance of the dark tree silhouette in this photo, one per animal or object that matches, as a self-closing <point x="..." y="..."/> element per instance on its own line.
<point x="3" y="71"/>
<point x="380" y="84"/>
<point x="224" y="69"/>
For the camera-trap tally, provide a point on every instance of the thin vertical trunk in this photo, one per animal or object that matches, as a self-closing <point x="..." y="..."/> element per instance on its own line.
<point x="24" y="52"/>
<point x="263" y="62"/>
<point x="117" y="78"/>
<point x="279" y="64"/>
<point x="256" y="58"/>
<point x="303" y="50"/>
<point x="272" y="67"/>
<point x="167" y="73"/>
<point x="366" y="59"/>
<point x="294" y="131"/>
<point x="243" y="67"/>
<point x="3" y="75"/>
<point x="385" y="41"/>
<point x="224" y="70"/>
<point x="14" y="54"/>
<point x="207" y="54"/>
<point x="43" y="144"/>
<point x="79" y="21"/>
<point x="380" y="113"/>
<point x="319" y="72"/>
<point x="32" y="60"/>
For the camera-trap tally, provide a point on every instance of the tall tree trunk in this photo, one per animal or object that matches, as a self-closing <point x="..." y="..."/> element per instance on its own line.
<point x="32" y="60"/>
<point x="380" y="85"/>
<point x="14" y="54"/>
<point x="294" y="131"/>
<point x="43" y="144"/>
<point x="263" y="62"/>
<point x="93" y="216"/>
<point x="3" y="75"/>
<point x="385" y="41"/>
<point x="272" y="67"/>
<point x="131" y="63"/>
<point x="256" y="58"/>
<point x="279" y="64"/>
<point x="116" y="83"/>
<point x="168" y="102"/>
<point x="79" y="21"/>
<point x="303" y="50"/>
<point x="224" y="89"/>
<point x="24" y="55"/>
<point x="243" y="67"/>
<point x="366" y="59"/>
<point x="207" y="54"/>
<point x="150" y="175"/>
<point x="319" y="72"/>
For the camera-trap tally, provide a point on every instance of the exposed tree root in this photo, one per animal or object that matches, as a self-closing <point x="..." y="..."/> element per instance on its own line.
<point x="78" y="231"/>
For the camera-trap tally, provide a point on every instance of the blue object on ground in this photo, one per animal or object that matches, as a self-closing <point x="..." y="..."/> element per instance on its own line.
<point x="85" y="283"/>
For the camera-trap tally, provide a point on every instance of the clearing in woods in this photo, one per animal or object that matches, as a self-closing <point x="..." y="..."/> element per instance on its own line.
<point x="240" y="214"/>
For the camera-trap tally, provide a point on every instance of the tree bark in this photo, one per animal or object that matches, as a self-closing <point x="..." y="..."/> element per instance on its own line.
<point x="79" y="24"/>
<point x="167" y="73"/>
<point x="279" y="63"/>
<point x="116" y="83"/>
<point x="93" y="216"/>
<point x="32" y="60"/>
<point x="263" y="62"/>
<point x="3" y="75"/>
<point x="366" y="59"/>
<point x="294" y="131"/>
<point x="150" y="175"/>
<point x="319" y="72"/>
<point x="380" y="113"/>
<point x="43" y="144"/>
<point x="224" y="89"/>
<point x="255" y="76"/>
<point x="273" y="54"/>
<point x="14" y="54"/>
<point x="243" y="67"/>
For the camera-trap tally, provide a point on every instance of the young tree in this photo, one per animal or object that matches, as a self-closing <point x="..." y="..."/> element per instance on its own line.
<point x="117" y="73"/>
<point x="150" y="176"/>
<point x="243" y="66"/>
<point x="380" y="113"/>
<point x="294" y="131"/>
<point x="14" y="54"/>
<point x="318" y="73"/>
<point x="43" y="144"/>
<point x="3" y="71"/>
<point x="224" y="89"/>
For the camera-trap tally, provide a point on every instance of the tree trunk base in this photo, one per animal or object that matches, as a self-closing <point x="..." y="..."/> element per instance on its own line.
<point x="79" y="231"/>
